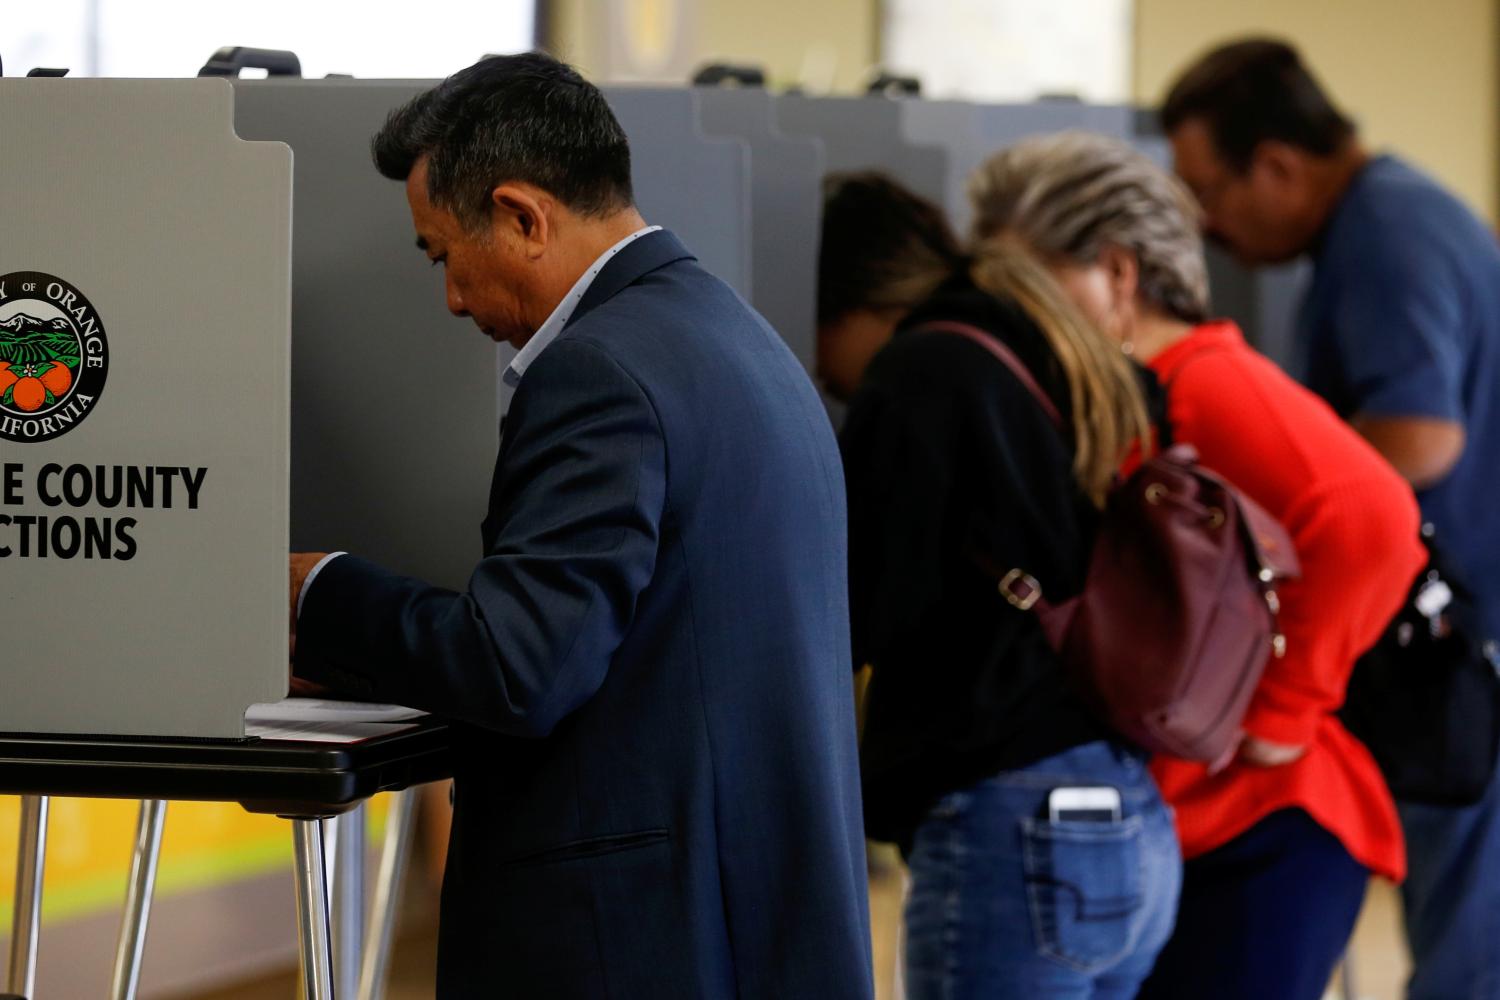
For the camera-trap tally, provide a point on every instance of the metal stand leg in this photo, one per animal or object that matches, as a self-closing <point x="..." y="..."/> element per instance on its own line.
<point x="31" y="856"/>
<point x="348" y="917"/>
<point x="132" y="945"/>
<point x="899" y="985"/>
<point x="312" y="911"/>
<point x="394" y="855"/>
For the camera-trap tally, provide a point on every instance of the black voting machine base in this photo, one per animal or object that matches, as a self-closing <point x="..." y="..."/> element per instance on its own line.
<point x="291" y="778"/>
<point x="303" y="781"/>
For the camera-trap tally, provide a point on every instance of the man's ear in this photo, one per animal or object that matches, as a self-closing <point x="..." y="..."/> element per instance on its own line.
<point x="521" y="213"/>
<point x="1123" y="270"/>
<point x="1279" y="162"/>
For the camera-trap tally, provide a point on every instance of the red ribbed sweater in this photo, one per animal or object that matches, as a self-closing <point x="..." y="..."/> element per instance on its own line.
<point x="1354" y="523"/>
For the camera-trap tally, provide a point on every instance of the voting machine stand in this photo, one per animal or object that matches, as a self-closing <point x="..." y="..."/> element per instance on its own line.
<point x="306" y="783"/>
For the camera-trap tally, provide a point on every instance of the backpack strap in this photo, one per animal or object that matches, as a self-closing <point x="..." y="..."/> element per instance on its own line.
<point x="1005" y="356"/>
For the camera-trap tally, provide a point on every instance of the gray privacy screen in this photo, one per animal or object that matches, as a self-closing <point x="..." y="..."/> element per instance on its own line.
<point x="143" y="586"/>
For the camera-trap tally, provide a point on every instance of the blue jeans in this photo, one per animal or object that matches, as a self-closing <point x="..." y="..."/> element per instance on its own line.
<point x="1005" y="903"/>
<point x="1452" y="898"/>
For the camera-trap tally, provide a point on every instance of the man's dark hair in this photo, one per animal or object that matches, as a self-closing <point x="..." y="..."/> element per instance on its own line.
<point x="522" y="118"/>
<point x="883" y="246"/>
<point x="1249" y="91"/>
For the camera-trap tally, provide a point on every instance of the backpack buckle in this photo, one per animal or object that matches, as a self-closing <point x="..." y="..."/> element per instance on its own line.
<point x="1021" y="589"/>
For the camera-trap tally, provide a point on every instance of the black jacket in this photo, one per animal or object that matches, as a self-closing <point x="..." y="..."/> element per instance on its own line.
<point x="946" y="454"/>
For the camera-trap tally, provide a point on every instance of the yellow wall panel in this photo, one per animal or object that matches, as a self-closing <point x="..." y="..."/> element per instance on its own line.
<point x="89" y="841"/>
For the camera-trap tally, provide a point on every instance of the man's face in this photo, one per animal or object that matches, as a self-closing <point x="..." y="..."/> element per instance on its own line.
<point x="489" y="276"/>
<point x="1260" y="215"/>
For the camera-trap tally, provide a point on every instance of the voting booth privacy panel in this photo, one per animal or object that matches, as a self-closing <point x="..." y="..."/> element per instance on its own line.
<point x="786" y="175"/>
<point x="144" y="325"/>
<point x="394" y="415"/>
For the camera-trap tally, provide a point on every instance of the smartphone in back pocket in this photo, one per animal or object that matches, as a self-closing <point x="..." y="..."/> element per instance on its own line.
<point x="1084" y="804"/>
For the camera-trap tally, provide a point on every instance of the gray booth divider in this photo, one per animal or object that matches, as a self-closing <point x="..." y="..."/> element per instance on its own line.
<point x="785" y="207"/>
<point x="696" y="185"/>
<point x="394" y="415"/>
<point x="956" y="126"/>
<point x="1004" y="123"/>
<point x="864" y="133"/>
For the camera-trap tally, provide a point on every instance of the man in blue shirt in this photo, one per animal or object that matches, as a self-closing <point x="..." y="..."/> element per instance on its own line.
<point x="1400" y="332"/>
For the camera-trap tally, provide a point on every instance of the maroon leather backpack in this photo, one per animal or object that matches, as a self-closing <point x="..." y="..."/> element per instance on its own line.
<point x="1177" y="617"/>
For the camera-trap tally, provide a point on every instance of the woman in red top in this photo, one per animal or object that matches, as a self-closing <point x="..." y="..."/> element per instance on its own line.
<point x="1279" y="844"/>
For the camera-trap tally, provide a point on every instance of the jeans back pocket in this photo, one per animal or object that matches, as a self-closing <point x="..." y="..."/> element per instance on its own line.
<point x="1083" y="887"/>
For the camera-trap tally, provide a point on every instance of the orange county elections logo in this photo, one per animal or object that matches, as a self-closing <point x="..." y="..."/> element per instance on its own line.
<point x="53" y="356"/>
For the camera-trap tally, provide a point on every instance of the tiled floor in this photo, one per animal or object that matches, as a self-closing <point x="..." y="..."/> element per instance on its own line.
<point x="1379" y="967"/>
<point x="412" y="974"/>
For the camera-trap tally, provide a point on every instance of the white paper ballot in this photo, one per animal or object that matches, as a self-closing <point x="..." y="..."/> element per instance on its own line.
<point x="297" y="710"/>
<point x="325" y="732"/>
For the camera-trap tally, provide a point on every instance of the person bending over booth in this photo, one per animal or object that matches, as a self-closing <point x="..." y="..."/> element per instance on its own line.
<point x="655" y="771"/>
<point x="1280" y="843"/>
<point x="971" y="724"/>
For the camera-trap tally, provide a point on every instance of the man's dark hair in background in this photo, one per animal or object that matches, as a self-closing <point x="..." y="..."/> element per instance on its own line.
<point x="1254" y="90"/>
<point x="481" y="127"/>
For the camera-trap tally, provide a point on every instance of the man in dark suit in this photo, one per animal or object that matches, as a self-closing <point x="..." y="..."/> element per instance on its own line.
<point x="656" y="789"/>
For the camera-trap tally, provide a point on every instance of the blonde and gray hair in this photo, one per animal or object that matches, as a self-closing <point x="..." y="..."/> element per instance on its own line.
<point x="1068" y="195"/>
<point x="1109" y="407"/>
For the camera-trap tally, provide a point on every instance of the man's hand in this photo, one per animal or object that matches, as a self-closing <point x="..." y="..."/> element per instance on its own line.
<point x="1263" y="753"/>
<point x="299" y="565"/>
<point x="300" y="688"/>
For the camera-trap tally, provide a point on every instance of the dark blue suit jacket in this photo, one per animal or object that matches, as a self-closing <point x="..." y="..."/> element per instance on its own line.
<point x="657" y="793"/>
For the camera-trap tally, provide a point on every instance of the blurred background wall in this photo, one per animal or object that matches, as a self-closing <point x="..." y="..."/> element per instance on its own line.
<point x="825" y="45"/>
<point x="1420" y="78"/>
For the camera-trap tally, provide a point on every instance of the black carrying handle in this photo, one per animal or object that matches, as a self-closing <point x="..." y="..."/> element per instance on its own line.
<point x="38" y="71"/>
<point x="718" y="74"/>
<point x="230" y="60"/>
<point x="886" y="84"/>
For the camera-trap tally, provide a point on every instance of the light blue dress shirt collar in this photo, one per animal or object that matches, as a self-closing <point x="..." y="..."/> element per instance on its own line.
<point x="549" y="330"/>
